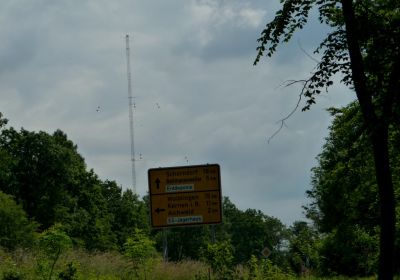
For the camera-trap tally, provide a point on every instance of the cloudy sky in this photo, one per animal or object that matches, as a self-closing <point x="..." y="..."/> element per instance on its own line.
<point x="198" y="98"/>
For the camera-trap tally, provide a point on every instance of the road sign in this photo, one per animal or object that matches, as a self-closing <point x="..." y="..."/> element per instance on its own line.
<point x="187" y="195"/>
<point x="266" y="252"/>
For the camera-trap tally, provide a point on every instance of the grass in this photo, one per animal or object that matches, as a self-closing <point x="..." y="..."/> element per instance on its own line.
<point x="25" y="265"/>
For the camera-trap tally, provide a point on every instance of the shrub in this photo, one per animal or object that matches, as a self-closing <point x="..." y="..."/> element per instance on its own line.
<point x="53" y="242"/>
<point x="220" y="257"/>
<point x="70" y="273"/>
<point x="12" y="275"/>
<point x="16" y="229"/>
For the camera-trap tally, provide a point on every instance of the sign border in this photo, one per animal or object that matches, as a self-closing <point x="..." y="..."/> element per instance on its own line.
<point x="162" y="194"/>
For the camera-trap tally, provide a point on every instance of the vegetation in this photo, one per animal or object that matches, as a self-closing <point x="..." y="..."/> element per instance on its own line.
<point x="363" y="47"/>
<point x="58" y="220"/>
<point x="345" y="196"/>
<point x="82" y="265"/>
<point x="52" y="205"/>
<point x="16" y="229"/>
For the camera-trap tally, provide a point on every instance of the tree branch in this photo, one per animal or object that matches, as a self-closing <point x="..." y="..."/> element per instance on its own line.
<point x="282" y="121"/>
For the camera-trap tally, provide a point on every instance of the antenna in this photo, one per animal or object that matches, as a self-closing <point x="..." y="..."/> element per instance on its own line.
<point x="131" y="105"/>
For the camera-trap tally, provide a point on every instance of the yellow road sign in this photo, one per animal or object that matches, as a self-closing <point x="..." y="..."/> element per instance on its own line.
<point x="188" y="195"/>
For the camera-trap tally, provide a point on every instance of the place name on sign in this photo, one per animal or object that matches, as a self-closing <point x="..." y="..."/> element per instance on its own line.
<point x="184" y="220"/>
<point x="183" y="180"/>
<point x="191" y="176"/>
<point x="179" y="188"/>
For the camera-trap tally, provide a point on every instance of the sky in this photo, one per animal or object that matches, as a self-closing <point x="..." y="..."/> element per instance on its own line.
<point x="198" y="98"/>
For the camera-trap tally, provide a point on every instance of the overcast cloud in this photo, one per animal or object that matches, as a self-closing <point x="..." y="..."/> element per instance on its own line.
<point x="198" y="97"/>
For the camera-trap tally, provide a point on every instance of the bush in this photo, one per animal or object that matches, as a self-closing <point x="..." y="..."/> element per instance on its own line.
<point x="220" y="257"/>
<point x="265" y="269"/>
<point x="139" y="248"/>
<point x="70" y="273"/>
<point x="12" y="275"/>
<point x="53" y="242"/>
<point x="16" y="229"/>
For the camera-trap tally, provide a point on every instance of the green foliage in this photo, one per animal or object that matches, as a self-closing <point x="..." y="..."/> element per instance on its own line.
<point x="184" y="242"/>
<point x="344" y="194"/>
<point x="128" y="212"/>
<point x="53" y="242"/>
<point x="353" y="252"/>
<point x="13" y="275"/>
<point x="47" y="176"/>
<point x="252" y="264"/>
<point x="139" y="247"/>
<point x="248" y="232"/>
<point x="220" y="257"/>
<point x="251" y="230"/>
<point x="344" y="177"/>
<point x="265" y="269"/>
<point x="111" y="265"/>
<point x="70" y="273"/>
<point x="16" y="229"/>
<point x="91" y="222"/>
<point x="304" y="243"/>
<point x="376" y="25"/>
<point x="362" y="46"/>
<point x="42" y="169"/>
<point x="273" y="272"/>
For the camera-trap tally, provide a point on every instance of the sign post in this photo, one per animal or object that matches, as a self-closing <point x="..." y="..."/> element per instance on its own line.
<point x="183" y="196"/>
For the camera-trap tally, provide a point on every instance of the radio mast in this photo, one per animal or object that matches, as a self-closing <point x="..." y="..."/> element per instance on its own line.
<point x="131" y="106"/>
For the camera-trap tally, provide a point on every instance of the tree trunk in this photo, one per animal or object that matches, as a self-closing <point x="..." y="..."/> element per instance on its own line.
<point x="386" y="202"/>
<point x="378" y="130"/>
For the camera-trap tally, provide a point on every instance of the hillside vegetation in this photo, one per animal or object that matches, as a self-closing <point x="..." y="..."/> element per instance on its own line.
<point x="60" y="221"/>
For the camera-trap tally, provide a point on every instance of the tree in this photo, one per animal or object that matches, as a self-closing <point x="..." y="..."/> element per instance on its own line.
<point x="303" y="243"/>
<point x="344" y="177"/>
<point x="42" y="172"/>
<point x="128" y="212"/>
<point x="364" y="47"/>
<point x="16" y="229"/>
<point x="54" y="242"/>
<point x="139" y="247"/>
<point x="344" y="195"/>
<point x="250" y="231"/>
<point x="185" y="242"/>
<point x="48" y="177"/>
<point x="91" y="222"/>
<point x="220" y="257"/>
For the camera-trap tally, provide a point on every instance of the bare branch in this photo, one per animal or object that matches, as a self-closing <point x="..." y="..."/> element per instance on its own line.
<point x="306" y="53"/>
<point x="282" y="121"/>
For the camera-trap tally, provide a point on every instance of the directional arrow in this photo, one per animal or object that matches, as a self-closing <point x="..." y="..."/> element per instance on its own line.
<point x="158" y="183"/>
<point x="158" y="210"/>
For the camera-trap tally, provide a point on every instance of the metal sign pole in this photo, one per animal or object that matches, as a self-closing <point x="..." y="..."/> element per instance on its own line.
<point x="165" y="245"/>
<point x="213" y="234"/>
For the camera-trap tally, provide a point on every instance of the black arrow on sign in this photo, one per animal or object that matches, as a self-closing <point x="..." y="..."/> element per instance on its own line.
<point x="158" y="183"/>
<point x="158" y="210"/>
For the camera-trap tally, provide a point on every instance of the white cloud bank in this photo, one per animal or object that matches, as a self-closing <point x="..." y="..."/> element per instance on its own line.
<point x="198" y="97"/>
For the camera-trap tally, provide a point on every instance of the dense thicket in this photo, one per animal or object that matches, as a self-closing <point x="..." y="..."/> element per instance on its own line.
<point x="345" y="196"/>
<point x="47" y="176"/>
<point x="15" y="227"/>
<point x="44" y="181"/>
<point x="247" y="231"/>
